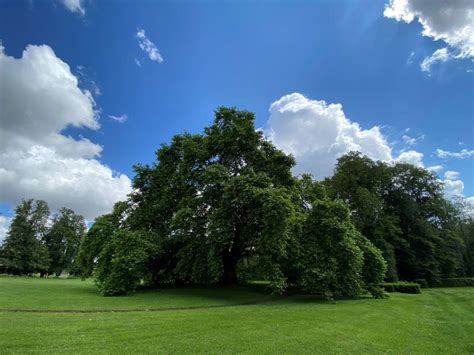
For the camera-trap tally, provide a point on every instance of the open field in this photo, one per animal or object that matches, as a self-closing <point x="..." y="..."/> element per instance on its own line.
<point x="54" y="316"/>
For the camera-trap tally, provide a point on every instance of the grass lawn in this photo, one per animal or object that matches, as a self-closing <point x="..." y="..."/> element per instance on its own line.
<point x="437" y="321"/>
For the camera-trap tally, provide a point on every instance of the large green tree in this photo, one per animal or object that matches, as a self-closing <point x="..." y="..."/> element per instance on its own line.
<point x="215" y="199"/>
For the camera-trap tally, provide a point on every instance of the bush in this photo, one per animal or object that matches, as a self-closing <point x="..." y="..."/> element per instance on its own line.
<point x="402" y="287"/>
<point x="123" y="263"/>
<point x="458" y="282"/>
<point x="423" y="283"/>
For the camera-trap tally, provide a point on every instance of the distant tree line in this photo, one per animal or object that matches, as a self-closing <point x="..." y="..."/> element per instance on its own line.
<point x="224" y="207"/>
<point x="39" y="243"/>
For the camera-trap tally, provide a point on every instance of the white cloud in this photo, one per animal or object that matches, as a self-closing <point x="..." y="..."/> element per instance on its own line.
<point x="441" y="55"/>
<point x="451" y="175"/>
<point x="74" y="6"/>
<point x="121" y="118"/>
<point x="449" y="21"/>
<point x="317" y="133"/>
<point x="137" y="62"/>
<point x="435" y="168"/>
<point x="39" y="98"/>
<point x="411" y="157"/>
<point x="453" y="188"/>
<point x="412" y="140"/>
<point x="4" y="225"/>
<point x="148" y="47"/>
<point x="463" y="154"/>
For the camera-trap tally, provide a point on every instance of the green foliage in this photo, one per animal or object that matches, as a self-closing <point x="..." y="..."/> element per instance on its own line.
<point x="23" y="251"/>
<point x="124" y="262"/>
<point x="63" y="240"/>
<point x="332" y="262"/>
<point x="457" y="282"/>
<point x="402" y="287"/>
<point x="422" y="282"/>
<point x="216" y="199"/>
<point x="95" y="239"/>
<point x="374" y="267"/>
<point x="224" y="208"/>
<point x="401" y="209"/>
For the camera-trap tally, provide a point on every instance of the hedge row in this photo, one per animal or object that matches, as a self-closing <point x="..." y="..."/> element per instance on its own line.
<point x="403" y="287"/>
<point x="458" y="282"/>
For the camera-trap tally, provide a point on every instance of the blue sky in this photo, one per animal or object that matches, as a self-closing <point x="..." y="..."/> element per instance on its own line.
<point x="251" y="54"/>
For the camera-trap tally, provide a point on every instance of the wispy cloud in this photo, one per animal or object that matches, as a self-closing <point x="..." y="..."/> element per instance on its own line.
<point x="441" y="55"/>
<point x="462" y="154"/>
<point x="121" y="118"/>
<point x="74" y="6"/>
<point x="148" y="46"/>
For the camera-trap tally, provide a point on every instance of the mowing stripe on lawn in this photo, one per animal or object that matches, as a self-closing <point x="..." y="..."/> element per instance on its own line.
<point x="19" y="310"/>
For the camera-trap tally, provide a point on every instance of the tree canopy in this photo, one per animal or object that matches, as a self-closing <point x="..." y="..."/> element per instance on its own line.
<point x="224" y="207"/>
<point x="35" y="243"/>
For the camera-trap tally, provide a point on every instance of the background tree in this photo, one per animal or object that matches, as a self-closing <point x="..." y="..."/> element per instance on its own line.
<point x="23" y="251"/>
<point x="63" y="240"/>
<point x="401" y="209"/>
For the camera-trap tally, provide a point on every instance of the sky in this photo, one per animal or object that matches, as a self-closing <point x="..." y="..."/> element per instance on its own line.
<point x="89" y="88"/>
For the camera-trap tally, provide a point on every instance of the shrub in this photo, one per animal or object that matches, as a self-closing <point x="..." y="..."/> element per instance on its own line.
<point x="402" y="287"/>
<point x="457" y="282"/>
<point x="124" y="261"/>
<point x="423" y="283"/>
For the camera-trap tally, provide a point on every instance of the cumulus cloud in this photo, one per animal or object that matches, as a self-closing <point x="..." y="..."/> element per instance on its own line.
<point x="4" y="225"/>
<point x="148" y="47"/>
<point x="453" y="188"/>
<point x="411" y="157"/>
<point x="76" y="6"/>
<point x="39" y="99"/>
<point x="317" y="133"/>
<point x="463" y="154"/>
<point x="121" y="118"/>
<point x="449" y="21"/>
<point x="451" y="175"/>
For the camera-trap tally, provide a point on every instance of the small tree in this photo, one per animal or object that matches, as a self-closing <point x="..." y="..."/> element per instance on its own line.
<point x="124" y="262"/>
<point x="332" y="261"/>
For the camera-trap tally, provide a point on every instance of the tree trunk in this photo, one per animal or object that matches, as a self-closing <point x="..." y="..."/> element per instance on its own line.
<point x="230" y="268"/>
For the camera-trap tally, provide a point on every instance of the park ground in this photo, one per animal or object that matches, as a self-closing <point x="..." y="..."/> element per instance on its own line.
<point x="69" y="316"/>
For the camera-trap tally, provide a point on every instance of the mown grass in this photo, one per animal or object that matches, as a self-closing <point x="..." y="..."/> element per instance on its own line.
<point x="437" y="321"/>
<point x="74" y="294"/>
